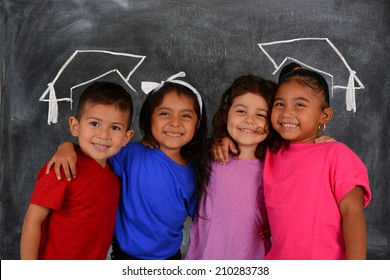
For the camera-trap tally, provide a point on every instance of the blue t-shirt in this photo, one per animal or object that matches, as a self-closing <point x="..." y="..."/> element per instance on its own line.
<point x="157" y="195"/>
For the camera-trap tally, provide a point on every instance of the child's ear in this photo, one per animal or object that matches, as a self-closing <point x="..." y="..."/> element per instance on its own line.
<point x="128" y="136"/>
<point x="327" y="115"/>
<point x="74" y="126"/>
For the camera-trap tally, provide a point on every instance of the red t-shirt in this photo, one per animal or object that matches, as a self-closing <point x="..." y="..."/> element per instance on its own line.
<point x="80" y="224"/>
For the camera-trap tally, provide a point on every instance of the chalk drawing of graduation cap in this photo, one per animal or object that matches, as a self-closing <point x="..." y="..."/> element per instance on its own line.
<point x="320" y="55"/>
<point x="86" y="66"/>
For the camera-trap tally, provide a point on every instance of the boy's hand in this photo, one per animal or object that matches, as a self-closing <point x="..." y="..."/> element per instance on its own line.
<point x="66" y="158"/>
<point x="220" y="151"/>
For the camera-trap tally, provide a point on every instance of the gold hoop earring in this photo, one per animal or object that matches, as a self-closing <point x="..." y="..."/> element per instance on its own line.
<point x="322" y="127"/>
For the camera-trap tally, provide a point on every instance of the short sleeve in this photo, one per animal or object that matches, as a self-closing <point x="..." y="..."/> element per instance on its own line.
<point x="349" y="172"/>
<point x="49" y="192"/>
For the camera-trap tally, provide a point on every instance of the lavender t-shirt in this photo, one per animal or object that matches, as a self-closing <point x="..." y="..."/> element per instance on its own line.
<point x="231" y="214"/>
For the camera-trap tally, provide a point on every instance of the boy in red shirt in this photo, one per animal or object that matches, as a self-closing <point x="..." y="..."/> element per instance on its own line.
<point x="75" y="219"/>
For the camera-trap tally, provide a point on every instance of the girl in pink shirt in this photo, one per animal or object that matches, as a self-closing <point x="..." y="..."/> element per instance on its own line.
<point x="231" y="212"/>
<point x="315" y="193"/>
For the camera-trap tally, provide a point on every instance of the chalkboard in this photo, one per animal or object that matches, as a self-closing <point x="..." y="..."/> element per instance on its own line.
<point x="51" y="50"/>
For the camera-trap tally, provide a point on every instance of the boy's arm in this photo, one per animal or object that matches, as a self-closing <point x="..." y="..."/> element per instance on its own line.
<point x="31" y="232"/>
<point x="66" y="158"/>
<point x="354" y="224"/>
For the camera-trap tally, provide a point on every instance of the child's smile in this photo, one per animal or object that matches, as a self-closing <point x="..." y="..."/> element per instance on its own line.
<point x="289" y="125"/>
<point x="173" y="134"/>
<point x="247" y="131"/>
<point x="100" y="147"/>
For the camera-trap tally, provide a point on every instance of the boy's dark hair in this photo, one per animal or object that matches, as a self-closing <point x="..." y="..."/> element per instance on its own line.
<point x="241" y="86"/>
<point x="196" y="151"/>
<point x="106" y="93"/>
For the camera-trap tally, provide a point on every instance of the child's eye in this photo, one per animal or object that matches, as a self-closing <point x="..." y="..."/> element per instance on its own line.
<point x="240" y="111"/>
<point x="93" y="123"/>
<point x="278" y="104"/>
<point x="116" y="128"/>
<point x="163" y="114"/>
<point x="261" y="115"/>
<point x="187" y="116"/>
<point x="299" y="105"/>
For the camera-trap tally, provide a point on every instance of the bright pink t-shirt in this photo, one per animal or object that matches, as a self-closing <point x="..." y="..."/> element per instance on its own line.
<point x="231" y="214"/>
<point x="303" y="187"/>
<point x="80" y="224"/>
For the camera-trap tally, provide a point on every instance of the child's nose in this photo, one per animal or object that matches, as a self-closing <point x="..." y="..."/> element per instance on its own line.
<point x="103" y="133"/>
<point x="287" y="111"/>
<point x="250" y="119"/>
<point x="175" y="121"/>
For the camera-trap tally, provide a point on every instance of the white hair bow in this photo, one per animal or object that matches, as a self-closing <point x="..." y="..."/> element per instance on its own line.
<point x="148" y="87"/>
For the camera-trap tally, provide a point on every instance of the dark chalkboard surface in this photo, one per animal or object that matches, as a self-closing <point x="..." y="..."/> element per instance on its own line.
<point x="50" y="50"/>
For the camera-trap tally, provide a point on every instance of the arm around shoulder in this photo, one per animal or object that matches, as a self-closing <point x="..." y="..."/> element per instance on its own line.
<point x="66" y="158"/>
